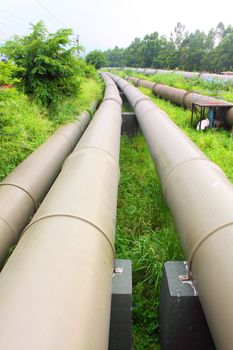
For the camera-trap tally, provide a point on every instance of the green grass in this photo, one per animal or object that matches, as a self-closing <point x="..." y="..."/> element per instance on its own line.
<point x="145" y="234"/>
<point x="66" y="110"/>
<point x="24" y="125"/>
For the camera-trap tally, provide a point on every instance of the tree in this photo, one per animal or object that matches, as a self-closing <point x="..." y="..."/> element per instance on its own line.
<point x="133" y="54"/>
<point x="193" y="50"/>
<point x="115" y="57"/>
<point x="179" y="36"/>
<point x="49" y="69"/>
<point x="96" y="58"/>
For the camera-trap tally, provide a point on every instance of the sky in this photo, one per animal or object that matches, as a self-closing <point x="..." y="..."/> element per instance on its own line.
<point x="104" y="24"/>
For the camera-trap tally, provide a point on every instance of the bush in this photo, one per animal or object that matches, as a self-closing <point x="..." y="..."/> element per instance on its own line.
<point x="96" y="58"/>
<point x="49" y="67"/>
<point x="8" y="72"/>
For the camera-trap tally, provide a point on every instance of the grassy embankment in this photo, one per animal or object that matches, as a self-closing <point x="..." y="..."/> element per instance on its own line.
<point x="24" y="125"/>
<point x="217" y="89"/>
<point x="145" y="231"/>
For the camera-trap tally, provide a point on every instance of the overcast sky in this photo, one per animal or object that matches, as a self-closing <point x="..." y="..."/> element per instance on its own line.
<point x="104" y="24"/>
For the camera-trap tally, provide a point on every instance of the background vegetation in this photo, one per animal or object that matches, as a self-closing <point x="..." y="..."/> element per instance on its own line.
<point x="183" y="50"/>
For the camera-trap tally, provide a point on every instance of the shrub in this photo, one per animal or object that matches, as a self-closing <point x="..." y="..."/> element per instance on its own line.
<point x="49" y="67"/>
<point x="8" y="73"/>
<point x="96" y="58"/>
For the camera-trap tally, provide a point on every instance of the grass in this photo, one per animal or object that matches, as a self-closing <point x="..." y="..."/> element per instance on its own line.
<point x="145" y="231"/>
<point x="145" y="234"/>
<point x="24" y="125"/>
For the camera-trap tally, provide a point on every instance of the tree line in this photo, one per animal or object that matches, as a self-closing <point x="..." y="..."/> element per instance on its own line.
<point x="196" y="51"/>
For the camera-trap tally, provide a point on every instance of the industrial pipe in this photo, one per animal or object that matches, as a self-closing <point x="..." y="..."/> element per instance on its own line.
<point x="180" y="97"/>
<point x="55" y="289"/>
<point x="22" y="191"/>
<point x="187" y="75"/>
<point x="200" y="198"/>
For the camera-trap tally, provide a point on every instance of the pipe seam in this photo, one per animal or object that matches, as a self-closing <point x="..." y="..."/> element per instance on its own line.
<point x="137" y="81"/>
<point x="21" y="188"/>
<point x="8" y="225"/>
<point x="140" y="100"/>
<point x="180" y="164"/>
<point x="111" y="99"/>
<point x="98" y="149"/>
<point x="201" y="241"/>
<point x="41" y="218"/>
<point x="154" y="86"/>
<point x="184" y="97"/>
<point x="66" y="137"/>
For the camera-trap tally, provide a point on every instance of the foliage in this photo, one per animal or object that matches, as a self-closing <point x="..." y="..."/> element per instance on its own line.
<point x="115" y="57"/>
<point x="22" y="128"/>
<point x="65" y="111"/>
<point x="25" y="125"/>
<point x="49" y="67"/>
<point x="96" y="58"/>
<point x="8" y="71"/>
<point x="183" y="50"/>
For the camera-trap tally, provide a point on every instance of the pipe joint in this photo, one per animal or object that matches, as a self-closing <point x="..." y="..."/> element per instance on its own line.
<point x="76" y="217"/>
<point x="22" y="189"/>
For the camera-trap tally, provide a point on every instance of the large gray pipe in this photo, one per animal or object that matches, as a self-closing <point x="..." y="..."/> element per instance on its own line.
<point x="22" y="191"/>
<point x="203" y="75"/>
<point x="200" y="198"/>
<point x="55" y="289"/>
<point x="180" y="97"/>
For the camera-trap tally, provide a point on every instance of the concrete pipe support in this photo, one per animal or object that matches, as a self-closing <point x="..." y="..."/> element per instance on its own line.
<point x="200" y="198"/>
<point x="22" y="191"/>
<point x="55" y="290"/>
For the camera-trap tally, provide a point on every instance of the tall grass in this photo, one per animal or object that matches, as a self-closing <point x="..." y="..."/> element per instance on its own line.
<point x="145" y="234"/>
<point x="25" y="125"/>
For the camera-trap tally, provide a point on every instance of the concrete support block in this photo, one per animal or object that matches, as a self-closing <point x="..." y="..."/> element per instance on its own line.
<point x="130" y="124"/>
<point x="182" y="321"/>
<point x="120" y="335"/>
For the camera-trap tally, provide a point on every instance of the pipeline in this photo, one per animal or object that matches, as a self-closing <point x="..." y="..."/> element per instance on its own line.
<point x="22" y="191"/>
<point x="55" y="289"/>
<point x="200" y="198"/>
<point x="187" y="75"/>
<point x="179" y="97"/>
